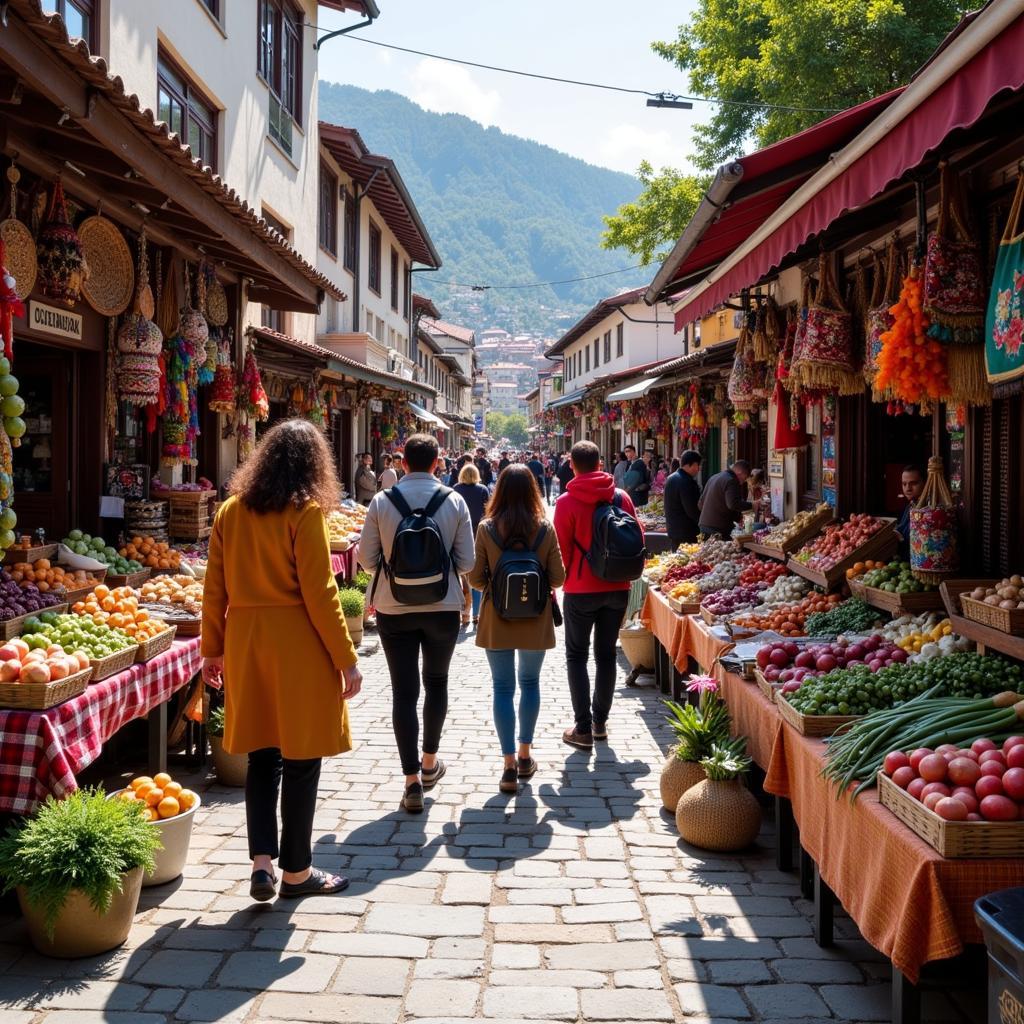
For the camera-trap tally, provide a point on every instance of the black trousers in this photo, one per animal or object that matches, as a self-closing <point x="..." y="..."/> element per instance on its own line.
<point x="297" y="781"/>
<point x="403" y="637"/>
<point x="600" y="613"/>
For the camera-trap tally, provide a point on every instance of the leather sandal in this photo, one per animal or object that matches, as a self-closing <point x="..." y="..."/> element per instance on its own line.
<point x="319" y="883"/>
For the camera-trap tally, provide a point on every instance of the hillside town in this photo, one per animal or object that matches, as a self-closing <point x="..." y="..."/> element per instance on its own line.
<point x="372" y="652"/>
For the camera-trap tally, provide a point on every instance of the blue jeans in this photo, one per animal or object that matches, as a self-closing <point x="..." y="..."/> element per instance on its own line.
<point x="503" y="673"/>
<point x="477" y="595"/>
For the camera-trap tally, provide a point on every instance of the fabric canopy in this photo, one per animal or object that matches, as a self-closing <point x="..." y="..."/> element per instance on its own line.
<point x="637" y="390"/>
<point x="573" y="396"/>
<point x="427" y="417"/>
<point x="956" y="102"/>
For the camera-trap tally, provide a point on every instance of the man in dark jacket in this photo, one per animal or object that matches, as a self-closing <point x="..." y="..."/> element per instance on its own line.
<point x="503" y="462"/>
<point x="484" y="465"/>
<point x="638" y="476"/>
<point x="721" y="502"/>
<point x="564" y="474"/>
<point x="682" y="493"/>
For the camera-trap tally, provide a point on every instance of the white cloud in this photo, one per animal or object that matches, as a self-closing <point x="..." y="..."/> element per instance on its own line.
<point x="385" y="57"/>
<point x="625" y="145"/>
<point x="450" y="88"/>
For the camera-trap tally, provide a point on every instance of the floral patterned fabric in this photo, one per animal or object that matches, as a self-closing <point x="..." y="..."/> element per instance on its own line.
<point x="1004" y="324"/>
<point x="933" y="549"/>
<point x="953" y="291"/>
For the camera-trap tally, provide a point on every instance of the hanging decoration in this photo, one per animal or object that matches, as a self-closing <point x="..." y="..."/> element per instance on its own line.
<point x="10" y="305"/>
<point x="179" y="430"/>
<point x="139" y="343"/>
<point x="208" y="367"/>
<point x="1004" y="320"/>
<point x="19" y="243"/>
<point x="745" y="378"/>
<point x="933" y="529"/>
<point x="879" y="317"/>
<point x="62" y="267"/>
<point x="192" y="324"/>
<point x="216" y="306"/>
<point x="252" y="398"/>
<point x="823" y="353"/>
<point x="912" y="366"/>
<point x="790" y="416"/>
<point x="222" y="398"/>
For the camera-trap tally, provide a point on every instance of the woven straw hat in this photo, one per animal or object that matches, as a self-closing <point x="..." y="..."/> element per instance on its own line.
<point x="111" y="275"/>
<point x="21" y="255"/>
<point x="216" y="304"/>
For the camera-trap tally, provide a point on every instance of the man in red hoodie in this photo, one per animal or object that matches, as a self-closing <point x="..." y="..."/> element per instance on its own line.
<point x="591" y="604"/>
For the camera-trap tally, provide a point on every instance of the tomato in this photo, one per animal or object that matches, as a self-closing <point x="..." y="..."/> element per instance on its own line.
<point x="903" y="776"/>
<point x="963" y="771"/>
<point x="917" y="755"/>
<point x="1012" y="741"/>
<point x="967" y="752"/>
<point x="1015" y="756"/>
<point x="897" y="759"/>
<point x="988" y="785"/>
<point x="915" y="787"/>
<point x="992" y="755"/>
<point x="946" y="747"/>
<point x="999" y="808"/>
<point x="935" y="787"/>
<point x="980" y="746"/>
<point x="995" y="768"/>
<point x="1013" y="783"/>
<point x="966" y="796"/>
<point x="932" y="800"/>
<point x="932" y="768"/>
<point x="974" y="816"/>
<point x="951" y="809"/>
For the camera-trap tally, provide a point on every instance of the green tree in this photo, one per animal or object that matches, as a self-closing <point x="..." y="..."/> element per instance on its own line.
<point x="508" y="425"/>
<point x="804" y="58"/>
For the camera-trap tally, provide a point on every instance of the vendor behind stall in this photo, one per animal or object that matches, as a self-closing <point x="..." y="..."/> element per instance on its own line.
<point x="912" y="483"/>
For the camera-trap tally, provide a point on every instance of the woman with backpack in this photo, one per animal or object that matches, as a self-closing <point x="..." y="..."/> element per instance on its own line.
<point x="475" y="495"/>
<point x="518" y="563"/>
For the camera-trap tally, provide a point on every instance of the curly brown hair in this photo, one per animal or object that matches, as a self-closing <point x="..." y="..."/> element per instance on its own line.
<point x="292" y="465"/>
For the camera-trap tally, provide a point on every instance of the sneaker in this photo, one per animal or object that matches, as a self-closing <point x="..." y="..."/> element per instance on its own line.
<point x="413" y="799"/>
<point x="434" y="776"/>
<point x="599" y="732"/>
<point x="527" y="768"/>
<point x="509" y="781"/>
<point x="582" y="740"/>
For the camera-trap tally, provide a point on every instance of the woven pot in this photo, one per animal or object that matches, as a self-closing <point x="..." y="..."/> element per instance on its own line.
<point x="677" y="776"/>
<point x="638" y="647"/>
<point x="720" y="815"/>
<point x="231" y="769"/>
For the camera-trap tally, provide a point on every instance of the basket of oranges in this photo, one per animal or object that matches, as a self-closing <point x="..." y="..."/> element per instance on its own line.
<point x="157" y="555"/>
<point x="119" y="608"/>
<point x="172" y="810"/>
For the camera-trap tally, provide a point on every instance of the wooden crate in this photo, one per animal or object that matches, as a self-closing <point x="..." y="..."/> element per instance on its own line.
<point x="879" y="547"/>
<point x="149" y="649"/>
<point x="896" y="604"/>
<point x="19" y="554"/>
<point x="10" y="628"/>
<point x="782" y="551"/>
<point x="684" y="607"/>
<point x="813" y="725"/>
<point x="103" y="668"/>
<point x="40" y="696"/>
<point x="987" y="638"/>
<point x="981" y="840"/>
<point x="132" y="579"/>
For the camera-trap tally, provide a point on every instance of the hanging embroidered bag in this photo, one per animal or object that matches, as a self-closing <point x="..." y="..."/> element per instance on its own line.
<point x="1004" y="322"/>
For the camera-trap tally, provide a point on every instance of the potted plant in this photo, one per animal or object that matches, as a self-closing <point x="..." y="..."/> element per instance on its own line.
<point x="720" y="813"/>
<point x="77" y="869"/>
<point x="362" y="582"/>
<point x="698" y="728"/>
<point x="231" y="769"/>
<point x="352" y="604"/>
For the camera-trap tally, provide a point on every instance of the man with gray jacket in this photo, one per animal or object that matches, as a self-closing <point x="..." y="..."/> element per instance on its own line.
<point x="721" y="502"/>
<point x="406" y="629"/>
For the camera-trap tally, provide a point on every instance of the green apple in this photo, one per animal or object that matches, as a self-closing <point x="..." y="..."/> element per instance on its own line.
<point x="8" y="385"/>
<point x="8" y="520"/>
<point x="12" y="405"/>
<point x="14" y="426"/>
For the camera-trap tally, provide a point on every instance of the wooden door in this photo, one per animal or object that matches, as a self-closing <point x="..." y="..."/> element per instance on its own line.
<point x="42" y="468"/>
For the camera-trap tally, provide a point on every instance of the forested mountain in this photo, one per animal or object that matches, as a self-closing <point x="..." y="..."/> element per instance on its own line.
<point x="500" y="210"/>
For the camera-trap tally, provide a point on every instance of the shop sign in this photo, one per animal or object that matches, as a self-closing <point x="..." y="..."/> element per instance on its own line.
<point x="51" y="320"/>
<point x="776" y="468"/>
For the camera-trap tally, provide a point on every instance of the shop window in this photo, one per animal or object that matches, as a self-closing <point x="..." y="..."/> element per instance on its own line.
<point x="394" y="279"/>
<point x="275" y="319"/>
<point x="279" y="63"/>
<point x="586" y="359"/>
<point x="80" y="19"/>
<point x="406" y="285"/>
<point x="375" y="267"/>
<point x="327" y="222"/>
<point x="619" y="343"/>
<point x="607" y="346"/>
<point x="185" y="111"/>
<point x="811" y="468"/>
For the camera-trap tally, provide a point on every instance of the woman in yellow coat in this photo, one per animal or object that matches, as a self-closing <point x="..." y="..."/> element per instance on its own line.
<point x="274" y="636"/>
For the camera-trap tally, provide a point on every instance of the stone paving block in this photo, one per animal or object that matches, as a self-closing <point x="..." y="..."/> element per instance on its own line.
<point x="370" y="945"/>
<point x="330" y="1009"/>
<point x="460" y="949"/>
<point x="544" y="978"/>
<point x="190" y="969"/>
<point x="385" y="976"/>
<point x="217" y="1005"/>
<point x="757" y="927"/>
<point x="510" y="955"/>
<point x="428" y="922"/>
<point x="744" y="906"/>
<point x="628" y="931"/>
<point x="672" y="915"/>
<point x="467" y="889"/>
<point x="270" y="971"/>
<point x="540" y="897"/>
<point x="442" y="999"/>
<point x="787" y="1000"/>
<point x="599" y="869"/>
<point x="104" y="1016"/>
<point x="818" y="972"/>
<point x="521" y="915"/>
<point x="608" y="892"/>
<point x="93" y="995"/>
<point x="602" y="957"/>
<point x="604" y="849"/>
<point x="539" y="1003"/>
<point x="626" y="1005"/>
<point x="552" y="933"/>
<point x="225" y="939"/>
<point x="162" y="1000"/>
<point x="738" y="972"/>
<point x="858" y="1002"/>
<point x="605" y="912"/>
<point x="446" y="969"/>
<point x="637" y="979"/>
<point x="711" y="1001"/>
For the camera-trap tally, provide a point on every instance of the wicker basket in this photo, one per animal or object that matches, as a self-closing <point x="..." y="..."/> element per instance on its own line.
<point x="40" y="696"/>
<point x="638" y="646"/>
<point x="896" y="604"/>
<point x="149" y="649"/>
<point x="813" y="725"/>
<point x="132" y="579"/>
<point x="103" y="668"/>
<point x="982" y="840"/>
<point x="1006" y="620"/>
<point x="111" y="281"/>
<point x="684" y="607"/>
<point x="20" y="260"/>
<point x="19" y="554"/>
<point x="10" y="628"/>
<point x="340" y="546"/>
<point x="189" y="497"/>
<point x="768" y="689"/>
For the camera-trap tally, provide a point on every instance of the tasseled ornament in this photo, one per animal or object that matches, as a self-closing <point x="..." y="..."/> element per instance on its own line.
<point x="10" y="305"/>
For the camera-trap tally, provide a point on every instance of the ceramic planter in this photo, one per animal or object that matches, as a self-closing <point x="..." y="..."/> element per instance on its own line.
<point x="676" y="778"/>
<point x="81" y="930"/>
<point x="231" y="769"/>
<point x="720" y="815"/>
<point x="355" y="628"/>
<point x="175" y="835"/>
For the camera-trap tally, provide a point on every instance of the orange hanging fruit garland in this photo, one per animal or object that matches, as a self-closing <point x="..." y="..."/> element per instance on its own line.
<point x="912" y="366"/>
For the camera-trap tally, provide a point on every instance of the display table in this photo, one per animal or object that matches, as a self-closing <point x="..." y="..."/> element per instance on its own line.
<point x="345" y="563"/>
<point x="752" y="714"/>
<point x="683" y="636"/>
<point x="909" y="902"/>
<point x="41" y="751"/>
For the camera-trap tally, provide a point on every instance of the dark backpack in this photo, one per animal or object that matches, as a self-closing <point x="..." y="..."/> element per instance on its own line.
<point x="519" y="583"/>
<point x="617" y="551"/>
<point x="420" y="561"/>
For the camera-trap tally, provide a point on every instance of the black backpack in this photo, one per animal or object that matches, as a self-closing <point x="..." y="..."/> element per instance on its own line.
<point x="420" y="561"/>
<point x="519" y="583"/>
<point x="617" y="551"/>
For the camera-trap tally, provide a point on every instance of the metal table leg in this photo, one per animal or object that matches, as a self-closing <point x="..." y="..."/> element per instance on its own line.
<point x="824" y="908"/>
<point x="783" y="834"/>
<point x="806" y="875"/>
<point x="906" y="999"/>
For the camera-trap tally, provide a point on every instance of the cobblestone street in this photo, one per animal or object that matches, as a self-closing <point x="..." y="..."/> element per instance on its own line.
<point x="572" y="901"/>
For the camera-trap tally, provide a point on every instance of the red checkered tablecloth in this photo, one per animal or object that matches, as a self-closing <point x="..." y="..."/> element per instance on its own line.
<point x="40" y="751"/>
<point x="345" y="563"/>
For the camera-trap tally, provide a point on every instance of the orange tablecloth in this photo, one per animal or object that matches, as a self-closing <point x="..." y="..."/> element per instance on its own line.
<point x="752" y="715"/>
<point x="683" y="636"/>
<point x="909" y="903"/>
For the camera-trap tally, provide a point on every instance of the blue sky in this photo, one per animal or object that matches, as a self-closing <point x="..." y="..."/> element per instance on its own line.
<point x="595" y="40"/>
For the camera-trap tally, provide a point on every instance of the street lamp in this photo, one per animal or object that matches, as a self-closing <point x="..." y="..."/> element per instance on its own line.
<point x="667" y="99"/>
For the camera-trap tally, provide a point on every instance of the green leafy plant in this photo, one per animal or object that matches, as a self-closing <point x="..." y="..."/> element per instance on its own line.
<point x="352" y="602"/>
<point x="84" y="842"/>
<point x="362" y="581"/>
<point x="698" y="728"/>
<point x="215" y="723"/>
<point x="725" y="763"/>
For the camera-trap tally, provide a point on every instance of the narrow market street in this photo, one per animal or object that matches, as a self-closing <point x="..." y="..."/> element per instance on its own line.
<point x="574" y="900"/>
